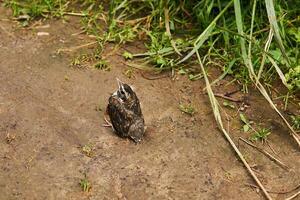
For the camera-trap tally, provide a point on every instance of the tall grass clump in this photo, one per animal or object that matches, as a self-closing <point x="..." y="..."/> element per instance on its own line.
<point x="256" y="42"/>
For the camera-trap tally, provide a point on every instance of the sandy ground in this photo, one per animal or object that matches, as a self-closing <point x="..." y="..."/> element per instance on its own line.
<point x="49" y="111"/>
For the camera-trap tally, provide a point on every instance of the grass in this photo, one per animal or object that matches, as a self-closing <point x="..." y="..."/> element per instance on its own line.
<point x="103" y="65"/>
<point x="296" y="122"/>
<point x="256" y="47"/>
<point x="88" y="150"/>
<point x="258" y="134"/>
<point x="85" y="184"/>
<point x="187" y="108"/>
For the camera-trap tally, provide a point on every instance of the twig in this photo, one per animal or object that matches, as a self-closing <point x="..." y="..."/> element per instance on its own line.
<point x="7" y="32"/>
<point x="269" y="145"/>
<point x="232" y="92"/>
<point x="78" y="33"/>
<point x="132" y="21"/>
<point x="76" y="47"/>
<point x="293" y="196"/>
<point x="265" y="153"/>
<point x="167" y="24"/>
<point x="154" y="77"/>
<point x="75" y="14"/>
<point x="275" y="192"/>
<point x="227" y="97"/>
<point x="138" y="66"/>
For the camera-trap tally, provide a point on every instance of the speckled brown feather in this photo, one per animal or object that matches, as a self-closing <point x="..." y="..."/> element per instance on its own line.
<point x="126" y="117"/>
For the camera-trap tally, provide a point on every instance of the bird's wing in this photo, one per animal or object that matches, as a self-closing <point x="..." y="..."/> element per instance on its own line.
<point x="136" y="130"/>
<point x="134" y="105"/>
<point x="120" y="117"/>
<point x="138" y="109"/>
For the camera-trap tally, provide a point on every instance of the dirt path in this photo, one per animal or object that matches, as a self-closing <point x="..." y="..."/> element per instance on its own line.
<point x="48" y="112"/>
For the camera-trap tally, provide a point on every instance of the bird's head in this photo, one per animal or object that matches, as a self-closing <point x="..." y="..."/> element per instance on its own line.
<point x="124" y="91"/>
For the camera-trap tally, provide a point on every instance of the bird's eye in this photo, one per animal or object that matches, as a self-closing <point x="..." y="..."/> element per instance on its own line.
<point x="122" y="92"/>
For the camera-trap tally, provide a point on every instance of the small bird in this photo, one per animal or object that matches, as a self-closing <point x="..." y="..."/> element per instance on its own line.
<point x="125" y="113"/>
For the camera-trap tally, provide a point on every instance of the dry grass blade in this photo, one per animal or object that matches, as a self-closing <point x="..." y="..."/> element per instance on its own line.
<point x="266" y="49"/>
<point x="76" y="47"/>
<point x="217" y="115"/>
<point x="275" y="192"/>
<point x="222" y="76"/>
<point x="139" y="66"/>
<point x="278" y="70"/>
<point x="266" y="153"/>
<point x="293" y="196"/>
<point x="167" y="23"/>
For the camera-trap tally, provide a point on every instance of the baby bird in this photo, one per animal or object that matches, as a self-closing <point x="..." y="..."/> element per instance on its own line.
<point x="125" y="113"/>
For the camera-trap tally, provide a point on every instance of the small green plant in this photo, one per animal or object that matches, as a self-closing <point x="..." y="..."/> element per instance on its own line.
<point x="88" y="150"/>
<point x="76" y="61"/>
<point x="37" y="8"/>
<point x="67" y="78"/>
<point x="127" y="55"/>
<point x="187" y="108"/>
<point x="247" y="123"/>
<point x="261" y="135"/>
<point x="99" y="107"/>
<point x="296" y="122"/>
<point x="182" y="71"/>
<point x="194" y="77"/>
<point x="79" y="61"/>
<point x="228" y="104"/>
<point x="293" y="78"/>
<point x="85" y="184"/>
<point x="103" y="65"/>
<point x="129" y="73"/>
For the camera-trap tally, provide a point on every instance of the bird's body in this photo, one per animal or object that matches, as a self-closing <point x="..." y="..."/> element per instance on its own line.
<point x="125" y="113"/>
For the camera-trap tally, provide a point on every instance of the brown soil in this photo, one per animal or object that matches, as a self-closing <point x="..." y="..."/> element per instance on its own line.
<point x="49" y="110"/>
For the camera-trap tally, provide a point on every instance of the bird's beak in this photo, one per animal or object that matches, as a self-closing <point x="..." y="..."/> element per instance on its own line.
<point x="120" y="84"/>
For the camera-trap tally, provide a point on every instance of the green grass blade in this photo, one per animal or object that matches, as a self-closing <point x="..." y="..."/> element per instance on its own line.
<point x="266" y="49"/>
<point x="239" y="24"/>
<point x="278" y="70"/>
<point x="251" y="29"/>
<point x="274" y="26"/>
<point x="205" y="34"/>
<point x="225" y="34"/>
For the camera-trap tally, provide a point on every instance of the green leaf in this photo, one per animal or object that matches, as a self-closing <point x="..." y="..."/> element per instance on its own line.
<point x="243" y="118"/>
<point x="246" y="128"/>
<point x="182" y="71"/>
<point x="172" y="26"/>
<point x="127" y="55"/>
<point x="193" y="77"/>
<point x="273" y="22"/>
<point x="275" y="53"/>
<point x="205" y="34"/>
<point x="228" y="104"/>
